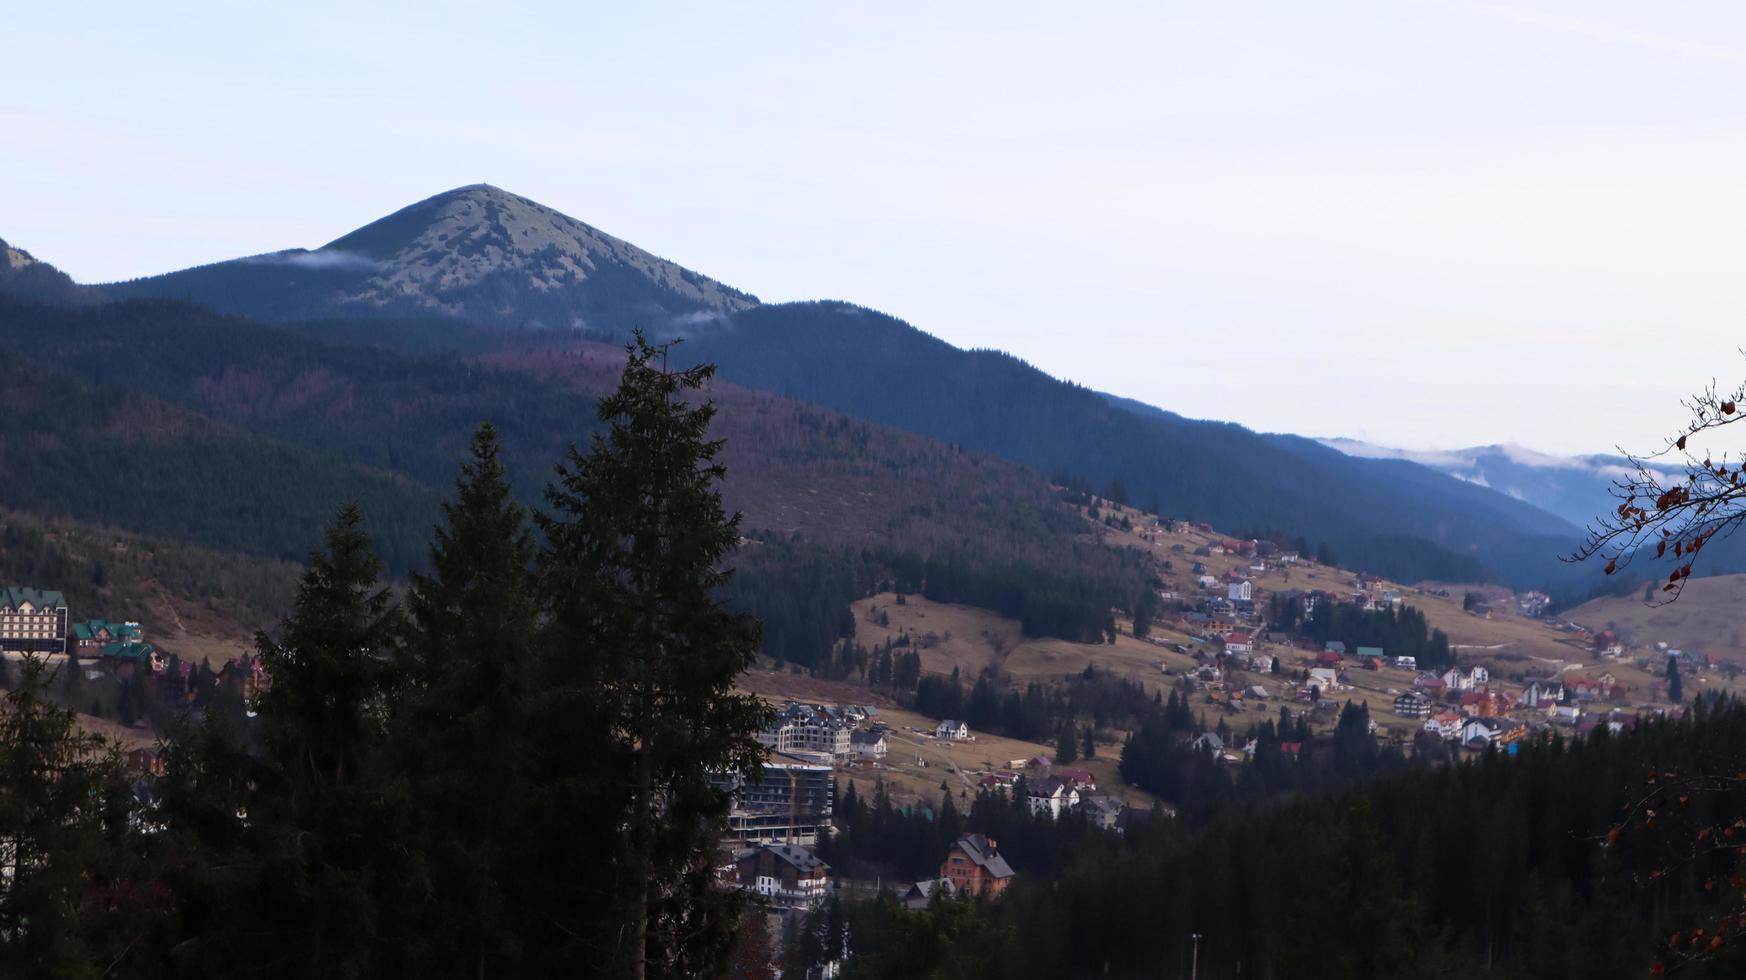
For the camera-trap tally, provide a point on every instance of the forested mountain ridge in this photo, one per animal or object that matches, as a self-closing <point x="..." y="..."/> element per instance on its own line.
<point x="476" y="253"/>
<point x="1405" y="522"/>
<point x="106" y="454"/>
<point x="836" y="504"/>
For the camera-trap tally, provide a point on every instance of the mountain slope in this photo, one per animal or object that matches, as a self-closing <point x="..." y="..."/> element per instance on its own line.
<point x="28" y="278"/>
<point x="476" y="253"/>
<point x="1413" y="524"/>
<point x="105" y="454"/>
<point x="838" y="504"/>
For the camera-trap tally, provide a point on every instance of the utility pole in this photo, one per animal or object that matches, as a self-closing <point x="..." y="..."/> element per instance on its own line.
<point x="1194" y="962"/>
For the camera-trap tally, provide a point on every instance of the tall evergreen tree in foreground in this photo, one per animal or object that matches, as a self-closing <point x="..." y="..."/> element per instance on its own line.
<point x="296" y="888"/>
<point x="647" y="657"/>
<point x="64" y="810"/>
<point x="462" y="724"/>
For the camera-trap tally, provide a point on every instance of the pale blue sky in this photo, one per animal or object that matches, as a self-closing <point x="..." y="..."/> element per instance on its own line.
<point x="1424" y="224"/>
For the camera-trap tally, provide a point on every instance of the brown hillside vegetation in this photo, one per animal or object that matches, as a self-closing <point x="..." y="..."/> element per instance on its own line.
<point x="973" y="640"/>
<point x="195" y="602"/>
<point x="799" y="469"/>
<point x="1707" y="618"/>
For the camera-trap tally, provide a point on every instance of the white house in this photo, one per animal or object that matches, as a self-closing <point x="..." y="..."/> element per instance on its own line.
<point x="1446" y="724"/>
<point x="1241" y="591"/>
<point x="1239" y="643"/>
<point x="1052" y="795"/>
<point x="1476" y="729"/>
<point x="1324" y="678"/>
<point x="1551" y="689"/>
<point x="867" y="744"/>
<point x="952" y="729"/>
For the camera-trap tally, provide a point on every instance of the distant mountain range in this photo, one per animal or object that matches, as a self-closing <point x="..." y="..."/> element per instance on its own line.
<point x="477" y="271"/>
<point x="1572" y="487"/>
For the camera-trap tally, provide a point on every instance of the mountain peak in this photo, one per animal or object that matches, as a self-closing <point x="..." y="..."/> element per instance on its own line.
<point x="478" y="253"/>
<point x="24" y="276"/>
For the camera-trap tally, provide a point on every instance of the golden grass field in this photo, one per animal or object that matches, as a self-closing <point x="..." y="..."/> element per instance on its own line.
<point x="973" y="640"/>
<point x="1707" y="617"/>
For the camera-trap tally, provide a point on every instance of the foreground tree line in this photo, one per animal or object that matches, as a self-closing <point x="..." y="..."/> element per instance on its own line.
<point x="1587" y="858"/>
<point x="504" y="773"/>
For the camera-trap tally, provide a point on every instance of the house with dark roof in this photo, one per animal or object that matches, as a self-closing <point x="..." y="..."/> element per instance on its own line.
<point x="974" y="867"/>
<point x="1104" y="811"/>
<point x="1051" y="795"/>
<point x="789" y="875"/>
<point x="868" y="743"/>
<point x="918" y="895"/>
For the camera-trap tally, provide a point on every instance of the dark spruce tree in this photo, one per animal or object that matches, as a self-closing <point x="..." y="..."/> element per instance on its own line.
<point x="299" y="887"/>
<point x="64" y="816"/>
<point x="462" y="729"/>
<point x="1065" y="747"/>
<point x="637" y="539"/>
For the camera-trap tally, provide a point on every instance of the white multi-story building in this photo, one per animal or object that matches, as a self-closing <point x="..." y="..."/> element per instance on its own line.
<point x="32" y="621"/>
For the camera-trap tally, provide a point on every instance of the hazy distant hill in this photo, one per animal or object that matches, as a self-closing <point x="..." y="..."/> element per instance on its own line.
<point x="476" y="253"/>
<point x="1573" y="487"/>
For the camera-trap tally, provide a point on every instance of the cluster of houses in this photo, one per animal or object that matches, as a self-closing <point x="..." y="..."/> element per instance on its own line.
<point x="1055" y="790"/>
<point x="790" y="877"/>
<point x="1462" y="706"/>
<point x="37" y="622"/>
<point x="840" y="733"/>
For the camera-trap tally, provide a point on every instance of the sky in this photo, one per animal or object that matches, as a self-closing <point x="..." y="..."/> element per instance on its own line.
<point x="1419" y="224"/>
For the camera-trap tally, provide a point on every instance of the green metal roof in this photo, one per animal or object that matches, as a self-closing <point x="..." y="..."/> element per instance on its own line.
<point x="14" y="596"/>
<point x="120" y="650"/>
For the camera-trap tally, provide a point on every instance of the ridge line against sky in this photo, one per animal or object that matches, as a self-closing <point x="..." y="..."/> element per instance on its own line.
<point x="1419" y="224"/>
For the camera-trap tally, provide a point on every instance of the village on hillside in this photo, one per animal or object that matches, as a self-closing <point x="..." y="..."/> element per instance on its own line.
<point x="123" y="685"/>
<point x="1244" y="630"/>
